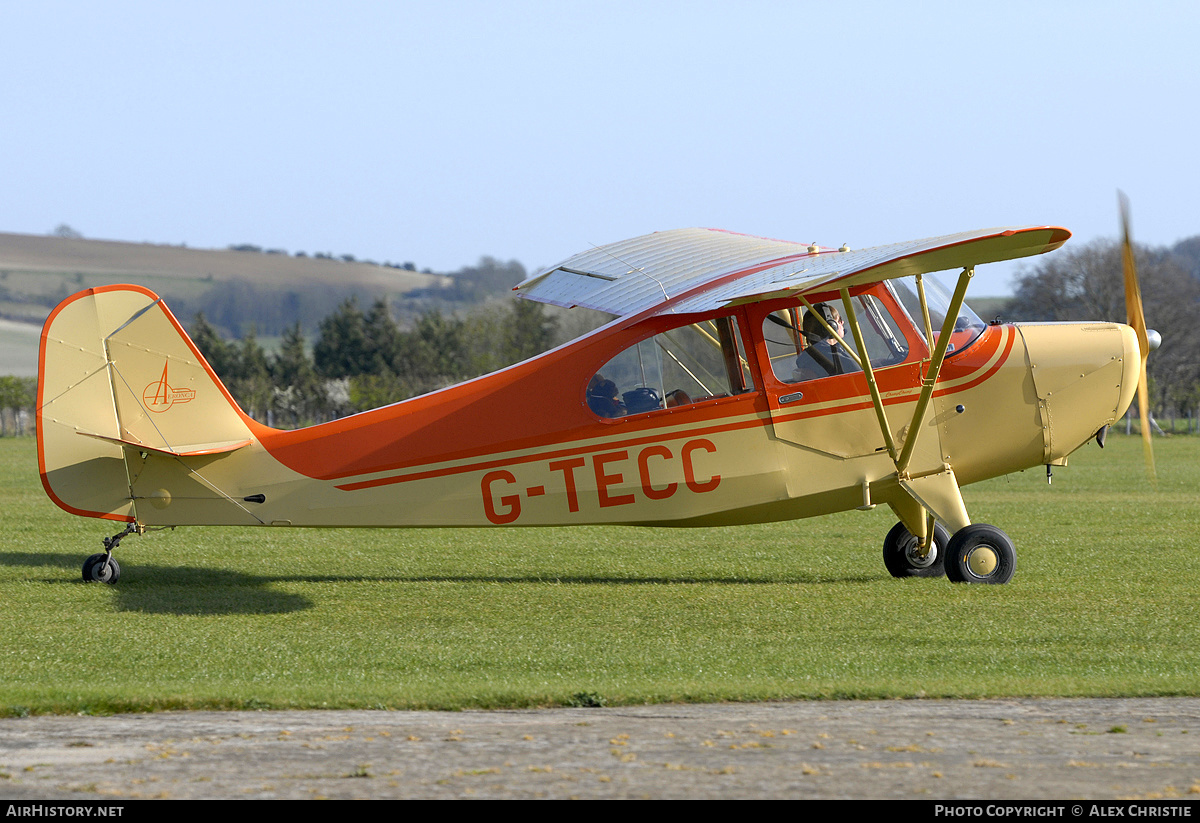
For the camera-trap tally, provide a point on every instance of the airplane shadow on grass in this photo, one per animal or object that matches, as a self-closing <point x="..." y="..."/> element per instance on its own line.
<point x="203" y="591"/>
<point x="175" y="589"/>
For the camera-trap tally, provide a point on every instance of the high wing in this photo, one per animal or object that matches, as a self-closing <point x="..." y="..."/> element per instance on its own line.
<point x="696" y="270"/>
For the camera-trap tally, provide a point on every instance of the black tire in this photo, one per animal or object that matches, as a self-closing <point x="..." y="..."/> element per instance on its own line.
<point x="900" y="545"/>
<point x="96" y="571"/>
<point x="980" y="554"/>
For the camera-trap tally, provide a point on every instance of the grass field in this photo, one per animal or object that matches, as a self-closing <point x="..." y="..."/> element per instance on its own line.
<point x="1104" y="603"/>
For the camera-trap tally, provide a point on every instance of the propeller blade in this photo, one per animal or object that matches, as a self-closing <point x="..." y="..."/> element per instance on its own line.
<point x="1137" y="320"/>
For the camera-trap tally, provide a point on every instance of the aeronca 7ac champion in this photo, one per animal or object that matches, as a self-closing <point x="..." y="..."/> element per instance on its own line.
<point x="742" y="380"/>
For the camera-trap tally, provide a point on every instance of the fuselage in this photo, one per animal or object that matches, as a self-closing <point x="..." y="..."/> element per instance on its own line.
<point x="530" y="445"/>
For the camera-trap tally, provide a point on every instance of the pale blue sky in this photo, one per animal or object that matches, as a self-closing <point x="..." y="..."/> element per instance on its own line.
<point x="440" y="132"/>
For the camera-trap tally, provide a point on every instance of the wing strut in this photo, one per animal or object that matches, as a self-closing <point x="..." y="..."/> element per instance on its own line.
<point x="935" y="368"/>
<point x="937" y="494"/>
<point x="865" y="362"/>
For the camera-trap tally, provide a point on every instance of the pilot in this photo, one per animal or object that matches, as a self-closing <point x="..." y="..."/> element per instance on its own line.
<point x="602" y="397"/>
<point x="823" y="355"/>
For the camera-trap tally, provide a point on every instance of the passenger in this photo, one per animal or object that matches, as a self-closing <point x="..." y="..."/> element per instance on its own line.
<point x="678" y="397"/>
<point x="602" y="397"/>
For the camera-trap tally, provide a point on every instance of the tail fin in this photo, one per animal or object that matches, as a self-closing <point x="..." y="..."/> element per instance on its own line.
<point x="116" y="371"/>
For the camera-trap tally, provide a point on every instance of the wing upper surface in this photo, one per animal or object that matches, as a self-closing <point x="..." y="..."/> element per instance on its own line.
<point x="696" y="270"/>
<point x="632" y="275"/>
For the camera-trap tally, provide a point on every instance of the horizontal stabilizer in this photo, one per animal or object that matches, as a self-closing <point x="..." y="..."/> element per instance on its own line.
<point x="190" y="450"/>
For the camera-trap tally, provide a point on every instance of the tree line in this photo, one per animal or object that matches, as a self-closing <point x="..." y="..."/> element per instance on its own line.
<point x="361" y="360"/>
<point x="18" y="395"/>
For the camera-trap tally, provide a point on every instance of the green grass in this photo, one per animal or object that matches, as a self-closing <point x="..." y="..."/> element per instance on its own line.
<point x="1103" y="603"/>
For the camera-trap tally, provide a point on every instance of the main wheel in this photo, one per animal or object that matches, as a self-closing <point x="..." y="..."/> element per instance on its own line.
<point x="95" y="570"/>
<point x="901" y="557"/>
<point x="980" y="554"/>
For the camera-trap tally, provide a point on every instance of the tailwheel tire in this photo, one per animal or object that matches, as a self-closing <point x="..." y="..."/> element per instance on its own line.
<point x="980" y="554"/>
<point x="901" y="556"/>
<point x="95" y="570"/>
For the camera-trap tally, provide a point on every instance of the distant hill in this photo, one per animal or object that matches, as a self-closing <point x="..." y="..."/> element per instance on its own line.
<point x="236" y="290"/>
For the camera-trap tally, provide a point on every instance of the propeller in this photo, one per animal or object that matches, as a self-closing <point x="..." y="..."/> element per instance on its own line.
<point x="1137" y="320"/>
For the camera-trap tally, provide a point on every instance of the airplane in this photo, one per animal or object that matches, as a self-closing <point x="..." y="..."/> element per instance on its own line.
<point x="740" y="380"/>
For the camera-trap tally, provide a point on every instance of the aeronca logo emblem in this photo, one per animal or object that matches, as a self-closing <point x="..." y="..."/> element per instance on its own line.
<point x="158" y="396"/>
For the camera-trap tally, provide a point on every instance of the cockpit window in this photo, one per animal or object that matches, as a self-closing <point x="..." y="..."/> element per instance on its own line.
<point x="967" y="326"/>
<point x="676" y="368"/>
<point x="808" y="344"/>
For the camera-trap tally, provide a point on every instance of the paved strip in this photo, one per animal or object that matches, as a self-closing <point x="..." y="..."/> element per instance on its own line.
<point x="1051" y="749"/>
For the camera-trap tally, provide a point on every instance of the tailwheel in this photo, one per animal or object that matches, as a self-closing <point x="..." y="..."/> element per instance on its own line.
<point x="980" y="554"/>
<point x="101" y="568"/>
<point x="902" y="553"/>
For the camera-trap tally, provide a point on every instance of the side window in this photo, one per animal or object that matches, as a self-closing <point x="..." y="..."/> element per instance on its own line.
<point x="676" y="368"/>
<point x="808" y="344"/>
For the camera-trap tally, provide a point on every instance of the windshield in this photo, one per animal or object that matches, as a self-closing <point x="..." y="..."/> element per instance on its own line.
<point x="967" y="327"/>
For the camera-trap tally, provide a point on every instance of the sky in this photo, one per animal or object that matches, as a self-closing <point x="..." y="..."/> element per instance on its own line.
<point x="440" y="132"/>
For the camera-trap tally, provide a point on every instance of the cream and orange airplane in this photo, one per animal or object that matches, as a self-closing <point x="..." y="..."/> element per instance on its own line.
<point x="742" y="380"/>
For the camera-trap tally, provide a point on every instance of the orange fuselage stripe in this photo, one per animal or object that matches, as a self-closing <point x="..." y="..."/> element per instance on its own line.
<point x="991" y="363"/>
